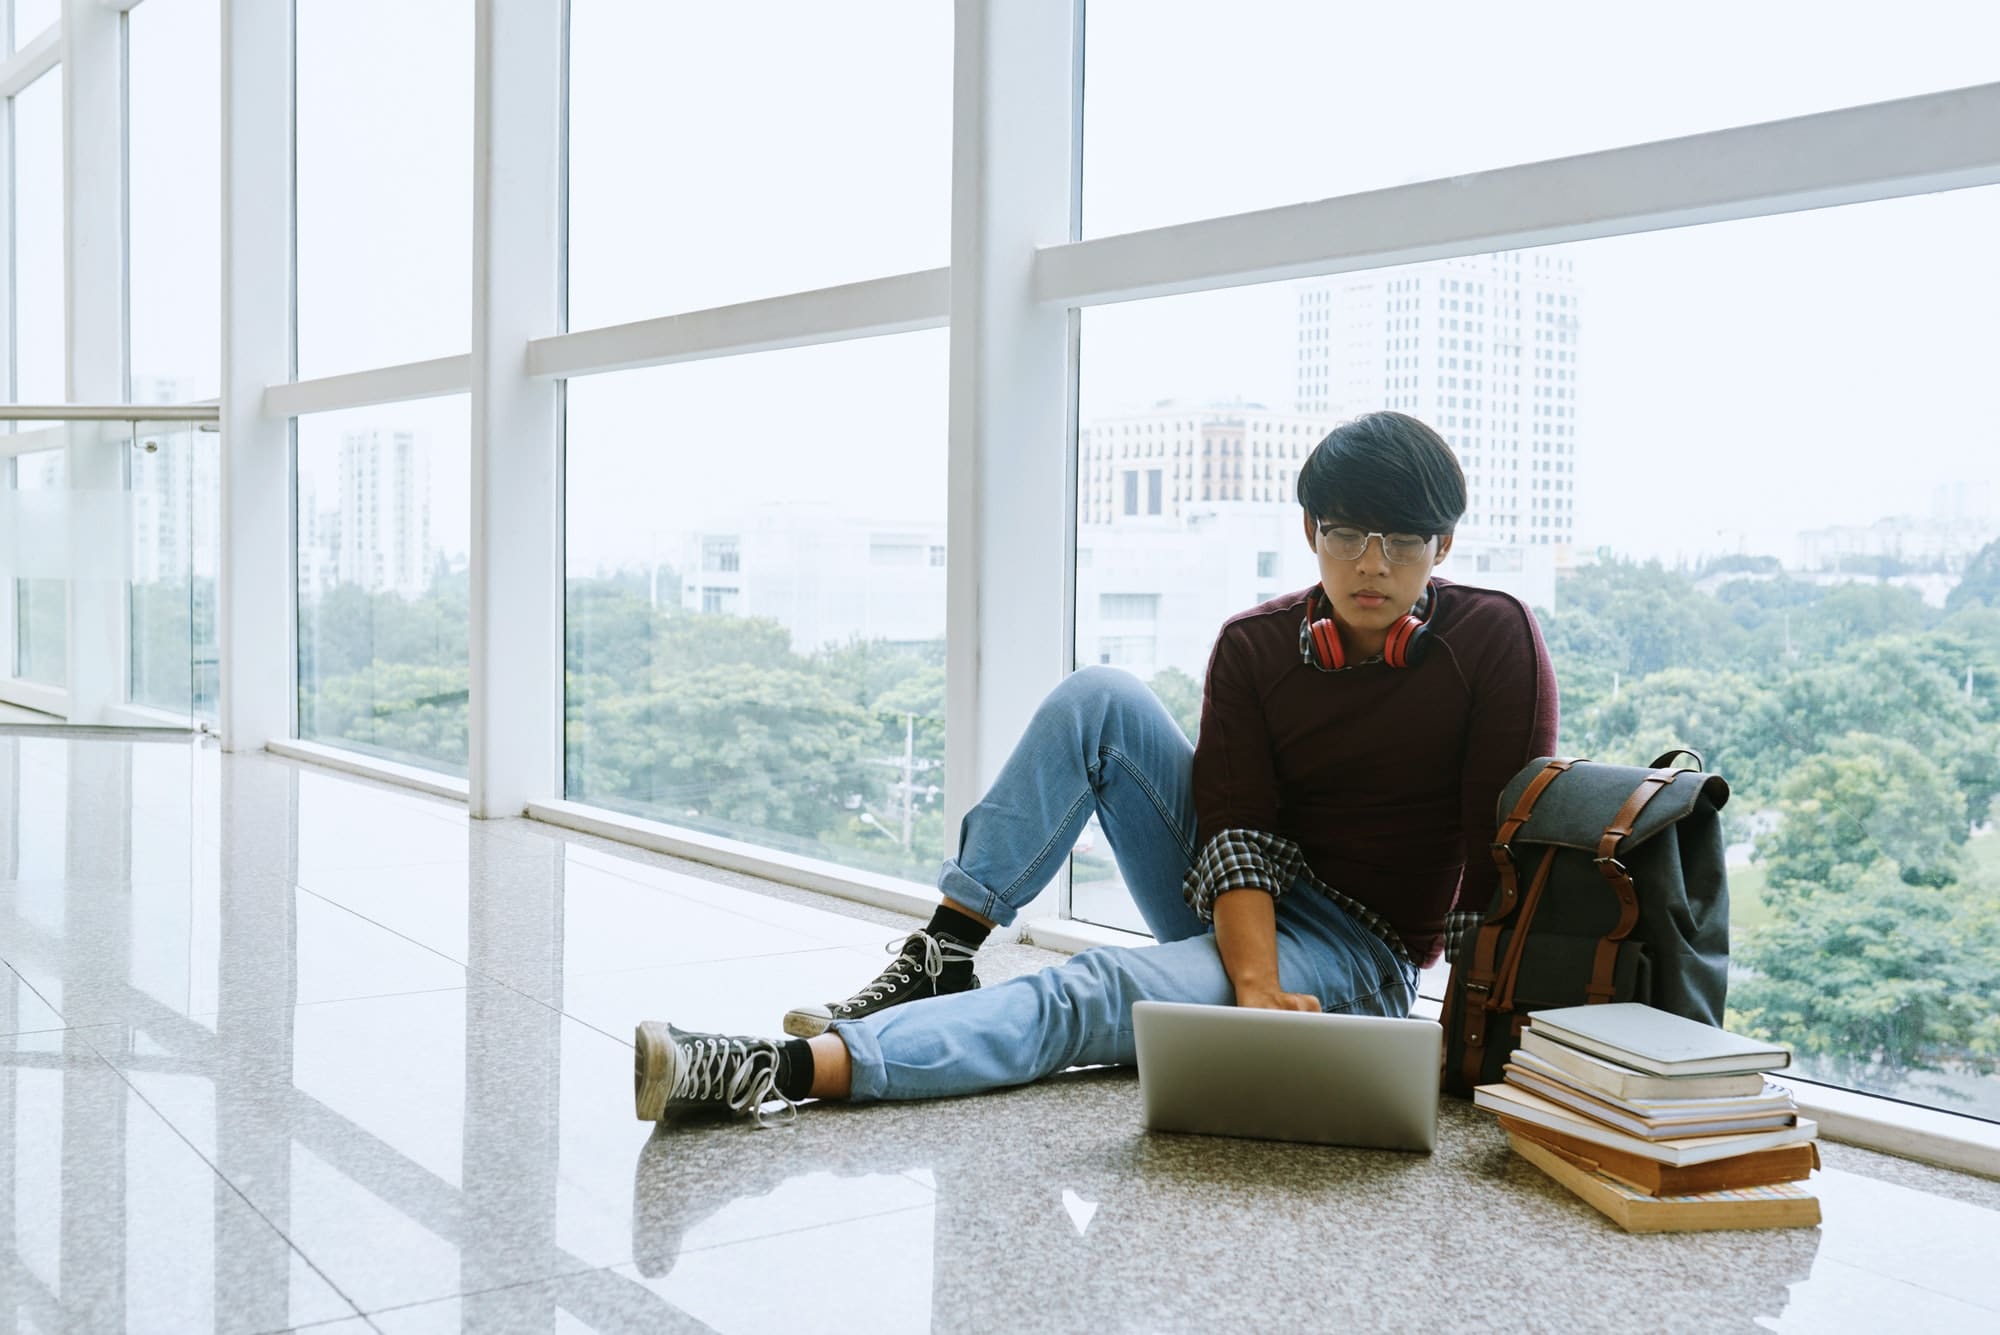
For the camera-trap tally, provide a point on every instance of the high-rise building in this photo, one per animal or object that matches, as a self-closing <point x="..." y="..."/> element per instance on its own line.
<point x="1165" y="461"/>
<point x="176" y="486"/>
<point x="383" y="540"/>
<point x="1484" y="349"/>
<point x="826" y="577"/>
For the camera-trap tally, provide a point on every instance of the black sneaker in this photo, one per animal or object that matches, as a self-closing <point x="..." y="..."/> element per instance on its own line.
<point x="926" y="965"/>
<point x="676" y="1071"/>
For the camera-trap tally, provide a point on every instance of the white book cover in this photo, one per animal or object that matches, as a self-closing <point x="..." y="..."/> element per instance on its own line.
<point x="1629" y="1082"/>
<point x="1658" y="1041"/>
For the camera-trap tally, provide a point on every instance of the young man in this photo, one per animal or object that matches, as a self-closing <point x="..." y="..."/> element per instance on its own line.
<point x="1305" y="856"/>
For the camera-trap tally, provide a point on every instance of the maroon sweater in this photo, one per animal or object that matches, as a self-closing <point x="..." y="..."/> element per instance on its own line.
<point x="1385" y="778"/>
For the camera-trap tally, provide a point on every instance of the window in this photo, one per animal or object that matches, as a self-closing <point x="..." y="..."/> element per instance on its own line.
<point x="799" y="706"/>
<point x="1131" y="493"/>
<point x="170" y="608"/>
<point x="1265" y="104"/>
<point x="1152" y="491"/>
<point x="384" y="136"/>
<point x="724" y="554"/>
<point x="175" y="169"/>
<point x="1129" y="606"/>
<point x="1267" y="564"/>
<point x="383" y="531"/>
<point x="31" y="17"/>
<point x="39" y="319"/>
<point x="41" y="588"/>
<point x="791" y="148"/>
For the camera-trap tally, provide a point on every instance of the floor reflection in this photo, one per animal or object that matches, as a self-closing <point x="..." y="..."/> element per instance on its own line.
<point x="285" y="1048"/>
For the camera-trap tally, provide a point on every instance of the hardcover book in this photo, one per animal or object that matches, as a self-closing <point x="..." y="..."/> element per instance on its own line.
<point x="1624" y="1082"/>
<point x="1657" y="1041"/>
<point x="1784" y="1205"/>
<point x="1526" y="1107"/>
<point x="1761" y="1168"/>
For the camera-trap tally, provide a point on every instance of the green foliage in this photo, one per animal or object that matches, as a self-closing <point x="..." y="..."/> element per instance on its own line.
<point x="1980" y="585"/>
<point x="1862" y="801"/>
<point x="1875" y="978"/>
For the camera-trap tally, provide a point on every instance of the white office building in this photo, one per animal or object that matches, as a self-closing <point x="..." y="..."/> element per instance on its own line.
<point x="1485" y="350"/>
<point x="826" y="577"/>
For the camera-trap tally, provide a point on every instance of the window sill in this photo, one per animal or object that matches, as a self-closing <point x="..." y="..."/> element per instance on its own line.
<point x="828" y="878"/>
<point x="370" y="767"/>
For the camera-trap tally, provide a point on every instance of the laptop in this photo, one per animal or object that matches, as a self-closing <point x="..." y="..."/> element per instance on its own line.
<point x="1289" y="1075"/>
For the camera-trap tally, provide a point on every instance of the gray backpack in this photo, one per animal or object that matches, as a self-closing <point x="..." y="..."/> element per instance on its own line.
<point x="1612" y="888"/>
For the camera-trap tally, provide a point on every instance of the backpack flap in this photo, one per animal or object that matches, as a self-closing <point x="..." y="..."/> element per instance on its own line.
<point x="1581" y="802"/>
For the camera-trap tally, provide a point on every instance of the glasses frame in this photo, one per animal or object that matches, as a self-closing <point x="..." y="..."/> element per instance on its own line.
<point x="1325" y="532"/>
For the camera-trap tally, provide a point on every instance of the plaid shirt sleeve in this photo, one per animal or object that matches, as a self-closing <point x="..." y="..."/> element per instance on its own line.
<point x="1240" y="860"/>
<point x="1458" y="930"/>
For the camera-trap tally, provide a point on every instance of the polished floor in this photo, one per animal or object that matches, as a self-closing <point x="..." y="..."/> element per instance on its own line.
<point x="292" y="1050"/>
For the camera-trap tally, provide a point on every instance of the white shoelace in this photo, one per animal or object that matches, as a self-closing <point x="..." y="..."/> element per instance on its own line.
<point x="728" y="1070"/>
<point x="936" y="952"/>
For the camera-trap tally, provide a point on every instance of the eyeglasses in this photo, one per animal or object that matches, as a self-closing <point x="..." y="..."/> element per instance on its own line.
<point x="1349" y="544"/>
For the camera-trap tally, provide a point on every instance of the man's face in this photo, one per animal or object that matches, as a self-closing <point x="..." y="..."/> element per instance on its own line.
<point x="1368" y="590"/>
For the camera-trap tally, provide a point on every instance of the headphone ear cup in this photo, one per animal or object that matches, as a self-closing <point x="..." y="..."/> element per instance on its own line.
<point x="1408" y="642"/>
<point x="1326" y="645"/>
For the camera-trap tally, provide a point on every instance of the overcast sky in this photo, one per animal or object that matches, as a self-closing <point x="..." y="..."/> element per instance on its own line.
<point x="1737" y="382"/>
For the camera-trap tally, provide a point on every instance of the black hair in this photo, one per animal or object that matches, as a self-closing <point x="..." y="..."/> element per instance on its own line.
<point x="1385" y="471"/>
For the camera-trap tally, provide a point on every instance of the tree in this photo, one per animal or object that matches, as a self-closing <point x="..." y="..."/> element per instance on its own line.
<point x="1877" y="979"/>
<point x="1980" y="585"/>
<point x="1663" y="620"/>
<point x="1878" y="958"/>
<point x="1181" y="694"/>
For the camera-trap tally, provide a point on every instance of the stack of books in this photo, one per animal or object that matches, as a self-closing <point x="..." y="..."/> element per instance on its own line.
<point x="1662" y="1123"/>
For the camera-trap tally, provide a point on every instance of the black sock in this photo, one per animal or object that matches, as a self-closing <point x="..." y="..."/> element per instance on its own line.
<point x="795" y="1069"/>
<point x="963" y="928"/>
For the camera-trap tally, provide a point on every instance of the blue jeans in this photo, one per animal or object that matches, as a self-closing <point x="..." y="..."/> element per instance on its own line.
<point x="1101" y="742"/>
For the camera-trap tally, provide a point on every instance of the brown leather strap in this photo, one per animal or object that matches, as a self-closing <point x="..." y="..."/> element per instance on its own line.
<point x="1510" y="968"/>
<point x="1478" y="999"/>
<point x="1628" y="815"/>
<point x="1481" y="972"/>
<point x="1605" y="961"/>
<point x="1509" y="891"/>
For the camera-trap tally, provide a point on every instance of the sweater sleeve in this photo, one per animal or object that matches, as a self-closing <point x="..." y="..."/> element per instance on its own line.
<point x="1235" y="779"/>
<point x="1513" y="721"/>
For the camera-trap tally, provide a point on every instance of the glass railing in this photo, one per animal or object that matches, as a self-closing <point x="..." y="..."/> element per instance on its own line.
<point x="108" y="558"/>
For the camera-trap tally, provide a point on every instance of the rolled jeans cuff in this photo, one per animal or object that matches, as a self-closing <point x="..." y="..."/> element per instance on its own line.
<point x="866" y="1073"/>
<point x="960" y="888"/>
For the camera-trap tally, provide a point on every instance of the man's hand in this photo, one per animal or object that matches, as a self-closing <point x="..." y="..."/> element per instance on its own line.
<point x="1277" y="1001"/>
<point x="1246" y="935"/>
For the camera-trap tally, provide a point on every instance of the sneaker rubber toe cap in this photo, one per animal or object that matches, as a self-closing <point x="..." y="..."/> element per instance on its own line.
<point x="808" y="1021"/>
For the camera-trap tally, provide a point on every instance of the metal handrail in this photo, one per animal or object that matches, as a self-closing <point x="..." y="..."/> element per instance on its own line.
<point x="112" y="412"/>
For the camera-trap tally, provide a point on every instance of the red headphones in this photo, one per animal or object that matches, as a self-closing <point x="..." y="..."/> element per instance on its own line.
<point x="1408" y="642"/>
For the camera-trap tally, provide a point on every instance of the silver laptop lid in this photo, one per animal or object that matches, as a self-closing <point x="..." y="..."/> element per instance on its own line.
<point x="1289" y="1075"/>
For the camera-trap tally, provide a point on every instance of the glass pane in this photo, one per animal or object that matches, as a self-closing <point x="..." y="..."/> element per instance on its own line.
<point x="1744" y="474"/>
<point x="383" y="525"/>
<point x="175" y="157"/>
<point x="31" y="17"/>
<point x="1194" y="110"/>
<point x="41" y="593"/>
<point x="384" y="182"/>
<point x="176" y="492"/>
<point x="38" y="243"/>
<point x="720" y="153"/>
<point x="755" y="621"/>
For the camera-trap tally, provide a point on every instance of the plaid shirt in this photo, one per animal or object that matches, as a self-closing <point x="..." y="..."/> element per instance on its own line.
<point x="1254" y="860"/>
